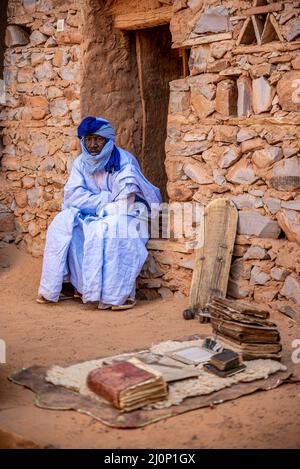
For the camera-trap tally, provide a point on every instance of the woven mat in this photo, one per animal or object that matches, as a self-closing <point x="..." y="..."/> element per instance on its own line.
<point x="50" y="396"/>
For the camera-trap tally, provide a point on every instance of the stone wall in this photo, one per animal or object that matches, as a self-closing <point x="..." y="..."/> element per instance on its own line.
<point x="3" y="16"/>
<point x="233" y="127"/>
<point x="53" y="79"/>
<point x="233" y="131"/>
<point x="42" y="75"/>
<point x="111" y="88"/>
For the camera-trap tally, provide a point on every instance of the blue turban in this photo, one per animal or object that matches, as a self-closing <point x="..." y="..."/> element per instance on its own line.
<point x="109" y="157"/>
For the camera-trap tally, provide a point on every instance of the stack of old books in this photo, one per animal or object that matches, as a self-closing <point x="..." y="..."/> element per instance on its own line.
<point x="128" y="384"/>
<point x="246" y="328"/>
<point x="225" y="363"/>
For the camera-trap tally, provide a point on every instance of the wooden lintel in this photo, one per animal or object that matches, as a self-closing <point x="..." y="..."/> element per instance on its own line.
<point x="270" y="47"/>
<point x="143" y="19"/>
<point x="254" y="120"/>
<point x="263" y="9"/>
<point x="207" y="39"/>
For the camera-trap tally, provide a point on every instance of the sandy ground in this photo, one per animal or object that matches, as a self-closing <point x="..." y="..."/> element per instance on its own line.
<point x="69" y="332"/>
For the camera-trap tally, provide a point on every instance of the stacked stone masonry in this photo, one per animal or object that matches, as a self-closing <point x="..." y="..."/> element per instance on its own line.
<point x="42" y="75"/>
<point x="233" y="131"/>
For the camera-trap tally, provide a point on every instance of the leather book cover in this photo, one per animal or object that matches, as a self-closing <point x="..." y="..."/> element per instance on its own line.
<point x="109" y="381"/>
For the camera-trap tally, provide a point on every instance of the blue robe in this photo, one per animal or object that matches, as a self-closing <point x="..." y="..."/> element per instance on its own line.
<point x="85" y="242"/>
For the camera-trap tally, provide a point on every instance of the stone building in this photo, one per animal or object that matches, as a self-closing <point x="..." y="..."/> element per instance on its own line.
<point x="205" y="93"/>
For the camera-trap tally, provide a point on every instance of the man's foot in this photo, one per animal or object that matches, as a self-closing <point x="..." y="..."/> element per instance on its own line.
<point x="77" y="294"/>
<point x="129" y="303"/>
<point x="102" y="305"/>
<point x="41" y="300"/>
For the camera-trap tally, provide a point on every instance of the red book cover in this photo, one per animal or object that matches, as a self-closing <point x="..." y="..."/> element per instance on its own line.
<point x="110" y="380"/>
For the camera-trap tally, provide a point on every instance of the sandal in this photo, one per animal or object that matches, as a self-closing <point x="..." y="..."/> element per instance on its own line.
<point x="41" y="300"/>
<point x="129" y="303"/>
<point x="103" y="305"/>
<point x="77" y="294"/>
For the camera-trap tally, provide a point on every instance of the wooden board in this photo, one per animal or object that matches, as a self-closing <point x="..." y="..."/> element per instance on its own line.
<point x="263" y="9"/>
<point x="144" y="19"/>
<point x="276" y="28"/>
<point x="205" y="39"/>
<point x="213" y="260"/>
<point x="166" y="245"/>
<point x="258" y="28"/>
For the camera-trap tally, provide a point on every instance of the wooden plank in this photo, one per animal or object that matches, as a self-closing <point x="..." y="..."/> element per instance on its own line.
<point x="213" y="260"/>
<point x="276" y="28"/>
<point x="288" y="120"/>
<point x="258" y="28"/>
<point x="254" y="120"/>
<point x="166" y="245"/>
<point x="263" y="9"/>
<point x="143" y="19"/>
<point x="253" y="49"/>
<point x="203" y="40"/>
<point x="269" y="33"/>
<point x="185" y="62"/>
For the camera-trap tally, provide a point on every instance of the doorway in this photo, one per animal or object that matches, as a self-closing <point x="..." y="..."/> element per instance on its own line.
<point x="157" y="65"/>
<point x="126" y="74"/>
<point x="3" y="24"/>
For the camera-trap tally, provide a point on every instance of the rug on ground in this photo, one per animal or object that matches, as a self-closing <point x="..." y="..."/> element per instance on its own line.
<point x="64" y="388"/>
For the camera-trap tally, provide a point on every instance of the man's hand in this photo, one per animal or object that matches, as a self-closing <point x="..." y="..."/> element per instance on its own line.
<point x="106" y="198"/>
<point x="113" y="208"/>
<point x="122" y="206"/>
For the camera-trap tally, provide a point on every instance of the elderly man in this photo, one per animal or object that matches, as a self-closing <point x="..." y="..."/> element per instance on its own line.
<point x="97" y="242"/>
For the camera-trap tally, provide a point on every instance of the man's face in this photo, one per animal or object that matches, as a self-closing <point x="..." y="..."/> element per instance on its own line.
<point x="94" y="143"/>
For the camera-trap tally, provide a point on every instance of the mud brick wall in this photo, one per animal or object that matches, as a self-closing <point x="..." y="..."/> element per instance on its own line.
<point x="233" y="131"/>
